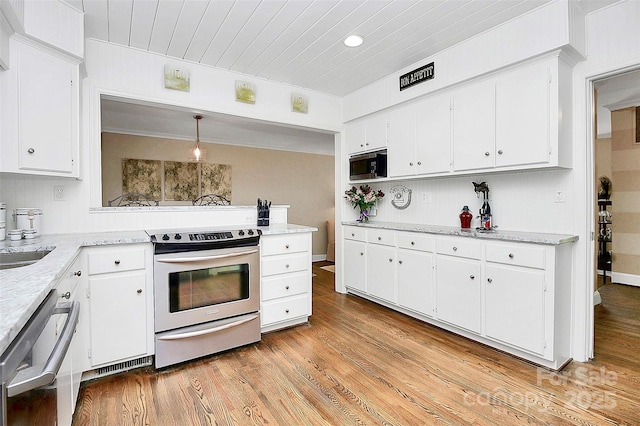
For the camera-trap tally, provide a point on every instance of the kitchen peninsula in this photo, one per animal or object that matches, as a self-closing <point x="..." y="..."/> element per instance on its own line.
<point x="509" y="290"/>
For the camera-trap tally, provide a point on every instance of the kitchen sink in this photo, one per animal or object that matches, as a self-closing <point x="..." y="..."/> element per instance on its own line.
<point x="19" y="259"/>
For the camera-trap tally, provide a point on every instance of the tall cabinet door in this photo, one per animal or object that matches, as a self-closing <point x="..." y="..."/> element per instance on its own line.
<point x="402" y="142"/>
<point x="458" y="292"/>
<point x="47" y="111"/>
<point x="515" y="307"/>
<point x="522" y="117"/>
<point x="474" y="127"/>
<point x="433" y="135"/>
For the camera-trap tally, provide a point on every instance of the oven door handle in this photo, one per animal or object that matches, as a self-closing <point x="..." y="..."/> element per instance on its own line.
<point x="204" y="258"/>
<point x="207" y="331"/>
<point x="25" y="380"/>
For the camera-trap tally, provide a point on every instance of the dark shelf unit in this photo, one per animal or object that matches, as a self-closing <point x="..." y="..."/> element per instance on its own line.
<point x="604" y="238"/>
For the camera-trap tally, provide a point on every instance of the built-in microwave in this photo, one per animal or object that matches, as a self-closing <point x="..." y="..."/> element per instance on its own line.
<point x="368" y="166"/>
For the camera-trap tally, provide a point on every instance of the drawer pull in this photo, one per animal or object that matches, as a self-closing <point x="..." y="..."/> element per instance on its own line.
<point x="489" y="280"/>
<point x="286" y="288"/>
<point x="286" y="266"/>
<point x="286" y="311"/>
<point x="117" y="261"/>
<point x="287" y="246"/>
<point x="473" y="277"/>
<point x="510" y="255"/>
<point x="139" y="291"/>
<point x="413" y="243"/>
<point x="66" y="295"/>
<point x="455" y="248"/>
<point x="77" y="273"/>
<point x="379" y="238"/>
<point x="353" y="234"/>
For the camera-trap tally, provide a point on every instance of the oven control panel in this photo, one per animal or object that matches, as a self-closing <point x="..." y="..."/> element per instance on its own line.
<point x="169" y="237"/>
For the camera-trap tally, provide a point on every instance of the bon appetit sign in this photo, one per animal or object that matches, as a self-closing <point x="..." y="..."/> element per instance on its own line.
<point x="416" y="76"/>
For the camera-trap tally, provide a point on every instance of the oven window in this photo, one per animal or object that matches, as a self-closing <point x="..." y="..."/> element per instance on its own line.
<point x="208" y="287"/>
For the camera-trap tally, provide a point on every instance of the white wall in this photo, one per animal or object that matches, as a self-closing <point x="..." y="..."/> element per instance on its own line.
<point x="130" y="73"/>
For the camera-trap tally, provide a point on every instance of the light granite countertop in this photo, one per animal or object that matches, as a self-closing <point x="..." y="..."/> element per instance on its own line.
<point x="23" y="289"/>
<point x="515" y="236"/>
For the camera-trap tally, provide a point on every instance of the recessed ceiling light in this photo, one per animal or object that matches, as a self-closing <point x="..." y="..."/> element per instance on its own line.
<point x="353" y="40"/>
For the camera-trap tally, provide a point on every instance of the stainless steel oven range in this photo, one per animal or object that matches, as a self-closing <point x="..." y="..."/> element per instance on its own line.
<point x="206" y="292"/>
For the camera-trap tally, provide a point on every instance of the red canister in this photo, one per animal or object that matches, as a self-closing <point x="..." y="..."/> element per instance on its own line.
<point x="465" y="218"/>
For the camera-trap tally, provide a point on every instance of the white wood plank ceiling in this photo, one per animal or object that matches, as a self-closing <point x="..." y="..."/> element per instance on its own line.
<point x="299" y="42"/>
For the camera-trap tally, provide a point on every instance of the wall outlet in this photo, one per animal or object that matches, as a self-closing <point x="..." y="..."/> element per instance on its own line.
<point x="426" y="197"/>
<point x="558" y="196"/>
<point x="59" y="193"/>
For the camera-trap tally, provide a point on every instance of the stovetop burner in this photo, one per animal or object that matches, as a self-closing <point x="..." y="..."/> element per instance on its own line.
<point x="191" y="240"/>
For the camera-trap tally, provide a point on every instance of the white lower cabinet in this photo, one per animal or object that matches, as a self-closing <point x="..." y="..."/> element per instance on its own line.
<point x="415" y="272"/>
<point x="458" y="292"/>
<point x="120" y="295"/>
<point x="513" y="296"/>
<point x="285" y="284"/>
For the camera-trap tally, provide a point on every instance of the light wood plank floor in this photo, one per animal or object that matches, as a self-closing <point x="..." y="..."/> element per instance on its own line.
<point x="358" y="363"/>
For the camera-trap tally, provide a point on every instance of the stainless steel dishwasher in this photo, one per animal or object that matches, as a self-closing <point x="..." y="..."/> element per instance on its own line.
<point x="33" y="359"/>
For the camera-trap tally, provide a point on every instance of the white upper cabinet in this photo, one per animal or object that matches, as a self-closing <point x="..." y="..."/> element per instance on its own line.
<point x="40" y="103"/>
<point x="419" y="138"/>
<point x="513" y="121"/>
<point x="474" y="127"/>
<point x="522" y="117"/>
<point x="365" y="135"/>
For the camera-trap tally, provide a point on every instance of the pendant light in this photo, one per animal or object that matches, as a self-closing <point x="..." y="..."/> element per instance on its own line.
<point x="197" y="151"/>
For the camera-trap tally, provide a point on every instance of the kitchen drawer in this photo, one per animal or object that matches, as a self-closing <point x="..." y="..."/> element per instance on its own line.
<point x="414" y="241"/>
<point x="115" y="260"/>
<point x="284" y="285"/>
<point x="385" y="237"/>
<point x="282" y="244"/>
<point x="355" y="233"/>
<point x="284" y="310"/>
<point x="282" y="264"/>
<point x="516" y="254"/>
<point x="459" y="247"/>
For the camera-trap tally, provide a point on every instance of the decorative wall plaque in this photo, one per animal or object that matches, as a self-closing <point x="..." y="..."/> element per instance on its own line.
<point x="299" y="103"/>
<point x="176" y="78"/>
<point x="245" y="92"/>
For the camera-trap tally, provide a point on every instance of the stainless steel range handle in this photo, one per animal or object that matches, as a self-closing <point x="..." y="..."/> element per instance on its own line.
<point x="204" y="258"/>
<point x="25" y="380"/>
<point x="207" y="331"/>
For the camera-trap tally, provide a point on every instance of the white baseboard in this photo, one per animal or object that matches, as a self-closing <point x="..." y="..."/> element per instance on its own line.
<point x="622" y="278"/>
<point x="318" y="257"/>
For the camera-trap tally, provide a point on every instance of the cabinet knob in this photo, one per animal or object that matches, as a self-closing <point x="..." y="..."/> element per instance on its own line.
<point x="139" y="291"/>
<point x="390" y="260"/>
<point x="413" y="243"/>
<point x="117" y="261"/>
<point x="286" y="288"/>
<point x="510" y="255"/>
<point x="361" y="145"/>
<point x="286" y="311"/>
<point x="286" y="266"/>
<point x="353" y="234"/>
<point x="400" y="262"/>
<point x="379" y="238"/>
<point x="486" y="154"/>
<point x="489" y="280"/>
<point x="31" y="150"/>
<point x="366" y="143"/>
<point x="473" y="277"/>
<point x="419" y="163"/>
<point x="455" y="248"/>
<point x="411" y="164"/>
<point x="361" y="254"/>
<point x="66" y="295"/>
<point x="77" y="273"/>
<point x="500" y="152"/>
<point x="287" y="246"/>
